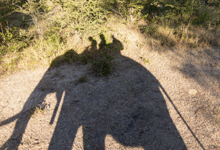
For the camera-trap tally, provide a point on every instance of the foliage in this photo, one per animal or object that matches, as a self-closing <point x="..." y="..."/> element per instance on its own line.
<point x="129" y="9"/>
<point x="82" y="15"/>
<point x="145" y="60"/>
<point x="102" y="66"/>
<point x="11" y="40"/>
<point x="82" y="79"/>
<point x="44" y="26"/>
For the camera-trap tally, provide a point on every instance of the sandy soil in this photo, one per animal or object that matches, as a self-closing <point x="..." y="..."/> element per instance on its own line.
<point x="173" y="102"/>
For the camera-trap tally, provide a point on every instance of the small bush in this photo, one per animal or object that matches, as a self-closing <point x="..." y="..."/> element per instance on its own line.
<point x="82" y="79"/>
<point x="103" y="66"/>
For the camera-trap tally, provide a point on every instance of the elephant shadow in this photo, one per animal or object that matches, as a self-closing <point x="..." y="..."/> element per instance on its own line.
<point x="126" y="104"/>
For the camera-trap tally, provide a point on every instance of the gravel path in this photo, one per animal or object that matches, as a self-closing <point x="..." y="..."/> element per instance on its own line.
<point x="173" y="102"/>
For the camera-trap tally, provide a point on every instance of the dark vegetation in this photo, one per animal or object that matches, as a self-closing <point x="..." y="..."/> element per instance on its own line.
<point x="47" y="24"/>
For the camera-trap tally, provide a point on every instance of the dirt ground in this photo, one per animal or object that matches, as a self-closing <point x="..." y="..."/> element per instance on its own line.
<point x="172" y="102"/>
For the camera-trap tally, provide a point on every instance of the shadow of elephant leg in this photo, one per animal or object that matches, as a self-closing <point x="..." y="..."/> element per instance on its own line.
<point x="93" y="138"/>
<point x="65" y="132"/>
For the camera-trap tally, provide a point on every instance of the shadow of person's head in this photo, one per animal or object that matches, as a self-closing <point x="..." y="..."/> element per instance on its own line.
<point x="113" y="48"/>
<point x="93" y="46"/>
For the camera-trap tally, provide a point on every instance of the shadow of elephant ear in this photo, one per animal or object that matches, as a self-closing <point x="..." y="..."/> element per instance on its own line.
<point x="69" y="57"/>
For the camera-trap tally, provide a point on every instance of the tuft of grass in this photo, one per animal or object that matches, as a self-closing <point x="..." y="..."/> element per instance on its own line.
<point x="103" y="66"/>
<point x="145" y="60"/>
<point x="84" y="59"/>
<point x="83" y="79"/>
<point x="36" y="110"/>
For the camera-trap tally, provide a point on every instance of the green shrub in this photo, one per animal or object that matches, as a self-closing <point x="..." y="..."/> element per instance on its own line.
<point x="11" y="40"/>
<point x="102" y="66"/>
<point x="82" y="79"/>
<point x="127" y="9"/>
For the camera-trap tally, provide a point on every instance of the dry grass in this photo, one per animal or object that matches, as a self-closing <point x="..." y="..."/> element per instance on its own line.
<point x="47" y="40"/>
<point x="183" y="36"/>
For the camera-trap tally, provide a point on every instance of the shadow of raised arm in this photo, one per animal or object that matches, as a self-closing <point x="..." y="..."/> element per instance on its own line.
<point x="9" y="120"/>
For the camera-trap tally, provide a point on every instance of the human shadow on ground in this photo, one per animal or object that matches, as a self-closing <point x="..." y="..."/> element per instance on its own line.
<point x="127" y="104"/>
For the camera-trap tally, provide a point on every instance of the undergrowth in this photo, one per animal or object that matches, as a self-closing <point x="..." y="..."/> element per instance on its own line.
<point x="35" y="32"/>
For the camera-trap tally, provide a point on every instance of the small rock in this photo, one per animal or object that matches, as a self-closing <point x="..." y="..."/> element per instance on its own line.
<point x="4" y="103"/>
<point x="192" y="92"/>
